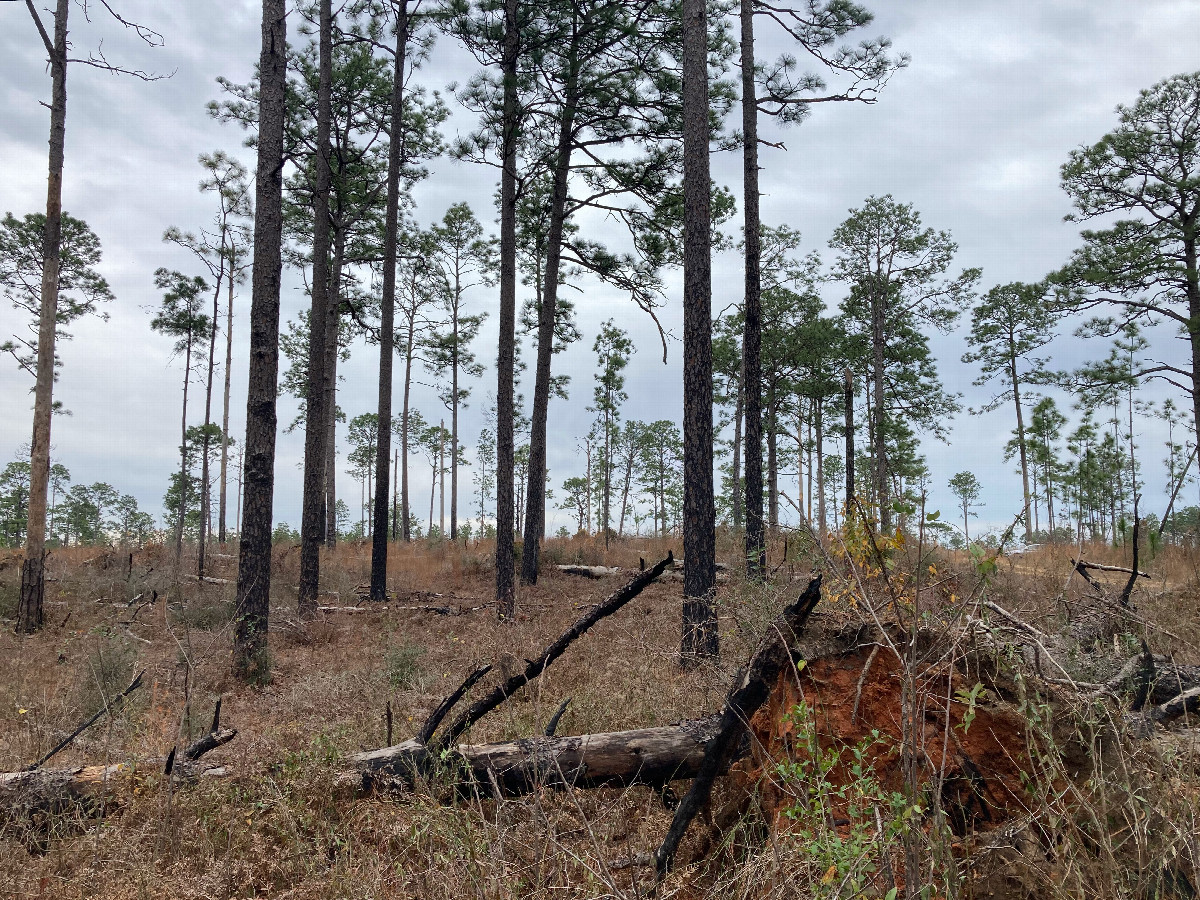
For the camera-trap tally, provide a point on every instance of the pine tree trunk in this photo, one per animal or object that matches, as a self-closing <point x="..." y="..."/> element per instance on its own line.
<point x="882" y="475"/>
<point x="383" y="438"/>
<point x="699" y="621"/>
<point x="183" y="461"/>
<point x="221" y="514"/>
<point x="752" y="333"/>
<point x="254" y="563"/>
<point x="205" y="486"/>
<point x="333" y="315"/>
<point x="822" y="528"/>
<point x="735" y="492"/>
<point x="454" y="409"/>
<point x="441" y="478"/>
<point x="535" y="492"/>
<point x="33" y="587"/>
<point x="772" y="462"/>
<point x="505" y="357"/>
<point x="405" y="529"/>
<point x="849" y="410"/>
<point x="1012" y="372"/>
<point x="312" y="516"/>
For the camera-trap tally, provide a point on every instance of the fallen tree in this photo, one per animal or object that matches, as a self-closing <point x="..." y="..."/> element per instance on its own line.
<point x="652" y="756"/>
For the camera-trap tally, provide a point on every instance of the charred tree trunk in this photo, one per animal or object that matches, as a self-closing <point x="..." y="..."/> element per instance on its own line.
<point x="254" y="560"/>
<point x="699" y="621"/>
<point x="383" y="436"/>
<point x="33" y="583"/>
<point x="535" y="492"/>
<point x="505" y="361"/>
<point x="312" y="515"/>
<point x="222" y="502"/>
<point x="333" y="315"/>
<point x="752" y="334"/>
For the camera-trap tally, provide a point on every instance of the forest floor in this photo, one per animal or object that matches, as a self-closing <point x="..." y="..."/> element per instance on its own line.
<point x="277" y="824"/>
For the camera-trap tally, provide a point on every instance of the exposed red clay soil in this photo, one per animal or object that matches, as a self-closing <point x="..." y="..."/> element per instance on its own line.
<point x="979" y="767"/>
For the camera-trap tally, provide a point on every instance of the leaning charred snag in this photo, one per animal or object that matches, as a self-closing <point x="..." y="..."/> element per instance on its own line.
<point x="503" y="691"/>
<point x="771" y="658"/>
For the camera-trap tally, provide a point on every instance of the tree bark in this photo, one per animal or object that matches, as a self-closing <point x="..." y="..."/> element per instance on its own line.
<point x="752" y="331"/>
<point x="183" y="464"/>
<point x="881" y="474"/>
<point x="33" y="585"/>
<point x="535" y="492"/>
<point x="383" y="449"/>
<point x="222" y="503"/>
<point x="651" y="756"/>
<point x="1021" y="441"/>
<point x="505" y="564"/>
<point x="312" y="516"/>
<point x="849" y="401"/>
<point x="205" y="481"/>
<point x="822" y="529"/>
<point x="254" y="560"/>
<point x="735" y="493"/>
<point x="405" y="529"/>
<point x="699" y="621"/>
<point x="333" y="317"/>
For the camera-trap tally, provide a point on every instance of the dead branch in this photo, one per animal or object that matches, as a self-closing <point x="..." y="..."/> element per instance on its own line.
<point x="1080" y="566"/>
<point x="536" y="667"/>
<point x="447" y="704"/>
<point x="111" y="708"/>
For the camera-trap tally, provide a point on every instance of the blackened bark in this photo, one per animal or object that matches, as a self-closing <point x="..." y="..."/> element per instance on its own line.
<point x="254" y="559"/>
<point x="312" y="516"/>
<point x="205" y="480"/>
<point x="225" y="415"/>
<point x="181" y="513"/>
<point x="699" y="625"/>
<point x="223" y="500"/>
<point x="820" y="444"/>
<point x="882" y="476"/>
<point x="735" y="492"/>
<point x="752" y="333"/>
<point x="379" y="535"/>
<point x="333" y="314"/>
<point x="535" y="493"/>
<point x="29" y="609"/>
<point x="505" y="564"/>
<point x="849" y="401"/>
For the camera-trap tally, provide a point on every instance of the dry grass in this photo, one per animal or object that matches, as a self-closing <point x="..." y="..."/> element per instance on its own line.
<point x="277" y="827"/>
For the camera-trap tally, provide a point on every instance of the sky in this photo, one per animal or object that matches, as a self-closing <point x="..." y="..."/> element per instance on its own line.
<point x="972" y="133"/>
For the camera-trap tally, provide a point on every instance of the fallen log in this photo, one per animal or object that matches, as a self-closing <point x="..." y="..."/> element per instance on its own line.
<point x="590" y="571"/>
<point x="206" y="579"/>
<point x="89" y="788"/>
<point x="652" y="756"/>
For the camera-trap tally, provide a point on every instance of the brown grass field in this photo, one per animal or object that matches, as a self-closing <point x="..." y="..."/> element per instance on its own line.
<point x="277" y="824"/>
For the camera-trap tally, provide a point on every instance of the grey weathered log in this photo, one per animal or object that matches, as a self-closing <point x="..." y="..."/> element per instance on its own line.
<point x="86" y="788"/>
<point x="642" y="756"/>
<point x="590" y="571"/>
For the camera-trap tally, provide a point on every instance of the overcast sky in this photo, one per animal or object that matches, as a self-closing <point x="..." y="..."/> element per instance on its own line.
<point x="972" y="133"/>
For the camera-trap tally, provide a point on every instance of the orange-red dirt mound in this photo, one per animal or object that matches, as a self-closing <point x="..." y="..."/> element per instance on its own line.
<point x="977" y="766"/>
